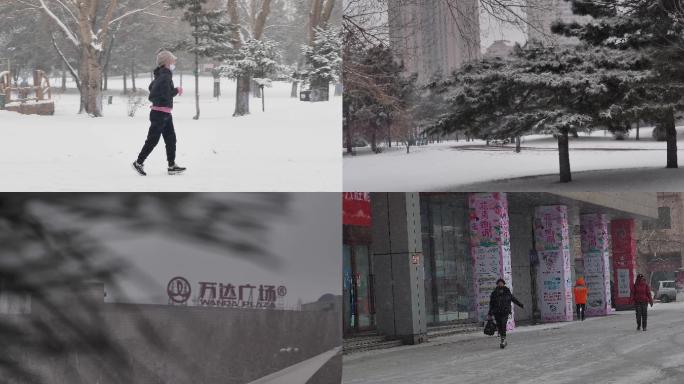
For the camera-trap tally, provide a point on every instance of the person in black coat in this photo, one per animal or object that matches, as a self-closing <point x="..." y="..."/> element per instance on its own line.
<point x="162" y="92"/>
<point x="500" y="307"/>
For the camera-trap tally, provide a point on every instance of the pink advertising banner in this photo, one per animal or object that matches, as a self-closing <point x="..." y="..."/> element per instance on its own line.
<point x="489" y="247"/>
<point x="553" y="249"/>
<point x="594" y="232"/>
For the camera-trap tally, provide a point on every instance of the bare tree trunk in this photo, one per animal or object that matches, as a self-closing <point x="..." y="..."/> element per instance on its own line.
<point x="671" y="135"/>
<point x="293" y="92"/>
<point x="242" y="96"/>
<point x="107" y="57"/>
<point x="94" y="92"/>
<point x="125" y="83"/>
<point x="564" y="157"/>
<point x="133" y="88"/>
<point x="314" y="19"/>
<point x="217" y="83"/>
<point x="197" y="107"/>
<point x="63" y="78"/>
<point x="326" y="12"/>
<point x="517" y="144"/>
<point x="83" y="75"/>
<point x="256" y="89"/>
<point x="637" y="130"/>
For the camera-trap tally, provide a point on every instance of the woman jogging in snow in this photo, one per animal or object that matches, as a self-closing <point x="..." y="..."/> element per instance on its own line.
<point x="500" y="308"/>
<point x="162" y="93"/>
<point x="580" y="293"/>
<point x="640" y="297"/>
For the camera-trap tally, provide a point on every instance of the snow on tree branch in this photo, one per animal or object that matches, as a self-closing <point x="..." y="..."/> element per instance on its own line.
<point x="69" y="34"/>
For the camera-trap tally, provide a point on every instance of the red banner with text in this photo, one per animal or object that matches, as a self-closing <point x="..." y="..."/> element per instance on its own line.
<point x="356" y="209"/>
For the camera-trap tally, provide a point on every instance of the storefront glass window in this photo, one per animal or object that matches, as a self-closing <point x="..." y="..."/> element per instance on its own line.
<point x="363" y="300"/>
<point x="357" y="289"/>
<point x="448" y="267"/>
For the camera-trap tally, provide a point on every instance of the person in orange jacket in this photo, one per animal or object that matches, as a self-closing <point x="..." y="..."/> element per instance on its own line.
<point x="580" y="293"/>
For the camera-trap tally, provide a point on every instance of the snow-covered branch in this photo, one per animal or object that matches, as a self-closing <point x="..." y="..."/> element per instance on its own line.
<point x="68" y="10"/>
<point x="134" y="11"/>
<point x="70" y="35"/>
<point x="71" y="69"/>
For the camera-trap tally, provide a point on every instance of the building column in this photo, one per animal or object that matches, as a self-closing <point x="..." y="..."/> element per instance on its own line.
<point x="398" y="266"/>
<point x="490" y="247"/>
<point x="553" y="250"/>
<point x="594" y="229"/>
<point x="623" y="239"/>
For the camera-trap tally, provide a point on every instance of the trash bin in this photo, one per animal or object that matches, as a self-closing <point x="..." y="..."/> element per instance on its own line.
<point x="2" y="101"/>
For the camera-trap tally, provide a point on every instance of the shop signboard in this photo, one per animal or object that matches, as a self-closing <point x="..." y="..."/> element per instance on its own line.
<point x="224" y="294"/>
<point x="356" y="209"/>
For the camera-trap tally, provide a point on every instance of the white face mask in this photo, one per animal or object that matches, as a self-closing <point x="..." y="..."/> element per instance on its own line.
<point x="172" y="67"/>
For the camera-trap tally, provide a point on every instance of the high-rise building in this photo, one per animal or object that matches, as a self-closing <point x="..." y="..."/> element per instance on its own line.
<point x="434" y="37"/>
<point x="541" y="14"/>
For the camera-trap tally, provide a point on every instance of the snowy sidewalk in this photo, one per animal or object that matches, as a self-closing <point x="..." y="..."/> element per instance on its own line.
<point x="598" y="350"/>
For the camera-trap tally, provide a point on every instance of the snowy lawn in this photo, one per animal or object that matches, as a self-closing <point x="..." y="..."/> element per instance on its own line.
<point x="468" y="166"/>
<point x="293" y="146"/>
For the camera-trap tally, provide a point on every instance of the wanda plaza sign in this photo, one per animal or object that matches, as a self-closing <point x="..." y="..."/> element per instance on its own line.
<point x="225" y="295"/>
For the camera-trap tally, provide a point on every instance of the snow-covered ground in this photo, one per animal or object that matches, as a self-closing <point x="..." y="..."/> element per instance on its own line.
<point x="598" y="350"/>
<point x="293" y="146"/>
<point x="468" y="166"/>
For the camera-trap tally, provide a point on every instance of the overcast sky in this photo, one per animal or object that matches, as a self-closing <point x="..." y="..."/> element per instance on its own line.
<point x="307" y="239"/>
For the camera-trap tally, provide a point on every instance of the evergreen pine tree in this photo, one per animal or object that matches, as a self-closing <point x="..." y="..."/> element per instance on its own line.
<point x="323" y="61"/>
<point x="548" y="90"/>
<point x="210" y="35"/>
<point x="642" y="27"/>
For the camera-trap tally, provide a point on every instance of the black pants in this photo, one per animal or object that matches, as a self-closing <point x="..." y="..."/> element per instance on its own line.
<point x="580" y="311"/>
<point x="501" y="321"/>
<point x="161" y="124"/>
<point x="641" y="314"/>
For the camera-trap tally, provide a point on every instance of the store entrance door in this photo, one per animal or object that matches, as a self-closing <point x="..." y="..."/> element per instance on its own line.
<point x="359" y="312"/>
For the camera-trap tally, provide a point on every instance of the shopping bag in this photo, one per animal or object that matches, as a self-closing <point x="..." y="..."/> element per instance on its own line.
<point x="490" y="328"/>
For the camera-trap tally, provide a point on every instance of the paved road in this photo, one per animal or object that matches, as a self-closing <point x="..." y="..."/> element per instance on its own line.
<point x="599" y="350"/>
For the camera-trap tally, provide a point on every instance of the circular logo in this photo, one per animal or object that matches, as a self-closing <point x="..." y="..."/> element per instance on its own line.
<point x="178" y="290"/>
<point x="282" y="291"/>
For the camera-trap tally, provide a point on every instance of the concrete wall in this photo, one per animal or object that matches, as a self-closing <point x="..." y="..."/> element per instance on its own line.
<point x="167" y="344"/>
<point x="398" y="266"/>
<point x="521" y="245"/>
